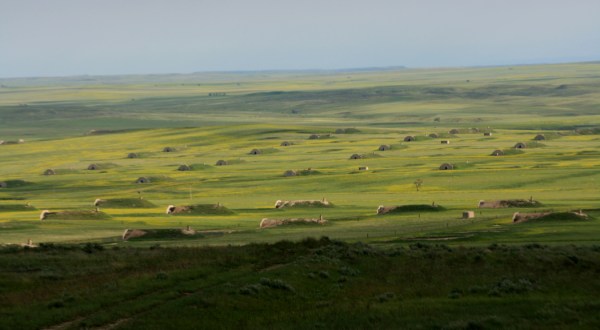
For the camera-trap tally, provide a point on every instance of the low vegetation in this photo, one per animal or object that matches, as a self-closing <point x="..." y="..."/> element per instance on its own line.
<point x="126" y="263"/>
<point x="201" y="209"/>
<point x="16" y="207"/>
<point x="310" y="283"/>
<point x="75" y="215"/>
<point x="125" y="203"/>
<point x="415" y="208"/>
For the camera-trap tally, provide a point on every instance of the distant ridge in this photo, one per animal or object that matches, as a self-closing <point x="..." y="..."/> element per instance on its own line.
<point x="200" y="77"/>
<point x="360" y="69"/>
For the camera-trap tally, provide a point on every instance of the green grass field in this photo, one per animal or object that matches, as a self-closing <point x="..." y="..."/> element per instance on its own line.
<point x="354" y="113"/>
<point x="310" y="284"/>
<point x="143" y="115"/>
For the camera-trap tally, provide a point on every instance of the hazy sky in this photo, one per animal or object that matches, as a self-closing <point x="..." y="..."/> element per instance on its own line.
<point x="71" y="37"/>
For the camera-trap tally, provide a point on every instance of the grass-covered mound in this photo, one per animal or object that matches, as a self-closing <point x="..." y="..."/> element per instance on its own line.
<point x="201" y="209"/>
<point x="372" y="155"/>
<point x="14" y="183"/>
<point x="410" y="209"/>
<point x="304" y="172"/>
<point x="108" y="131"/>
<point x="200" y="167"/>
<point x="588" y="153"/>
<point x="303" y="204"/>
<point x="124" y="203"/>
<point x="347" y="131"/>
<point x="420" y="208"/>
<point x="235" y="161"/>
<point x="535" y="144"/>
<point x="268" y="223"/>
<point x="520" y="203"/>
<point x="588" y="131"/>
<point x="550" y="136"/>
<point x="160" y="234"/>
<point x="60" y="171"/>
<point x="103" y="166"/>
<point x="74" y="215"/>
<point x="563" y="216"/>
<point x="159" y="178"/>
<point x="16" y="207"/>
<point x="397" y="146"/>
<point x="512" y="151"/>
<point x="419" y="138"/>
<point x="266" y="151"/>
<point x="468" y="130"/>
<point x="309" y="172"/>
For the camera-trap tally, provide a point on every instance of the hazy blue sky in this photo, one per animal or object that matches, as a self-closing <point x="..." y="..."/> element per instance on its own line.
<point x="71" y="37"/>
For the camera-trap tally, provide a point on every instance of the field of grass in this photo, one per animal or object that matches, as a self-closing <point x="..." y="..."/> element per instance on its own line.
<point x="55" y="117"/>
<point x="310" y="284"/>
<point x="68" y="124"/>
<point x="561" y="175"/>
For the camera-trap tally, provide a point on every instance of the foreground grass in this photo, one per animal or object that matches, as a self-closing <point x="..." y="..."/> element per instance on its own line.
<point x="308" y="284"/>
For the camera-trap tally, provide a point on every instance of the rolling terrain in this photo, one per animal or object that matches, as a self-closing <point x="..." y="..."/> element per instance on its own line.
<point x="69" y="125"/>
<point x="91" y="152"/>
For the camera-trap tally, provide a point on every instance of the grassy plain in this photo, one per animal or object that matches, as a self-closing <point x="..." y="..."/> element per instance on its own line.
<point x="144" y="114"/>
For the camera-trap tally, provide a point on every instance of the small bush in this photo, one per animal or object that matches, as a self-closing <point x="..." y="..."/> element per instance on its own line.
<point x="364" y="249"/>
<point x="348" y="271"/>
<point x="324" y="274"/>
<point x="165" y="234"/>
<point x="56" y="304"/>
<point x="419" y="246"/>
<point x="508" y="286"/>
<point x="61" y="302"/>
<point x="573" y="259"/>
<point x="310" y="242"/>
<point x="251" y="289"/>
<point x="534" y="246"/>
<point x="385" y="297"/>
<point x="455" y="294"/>
<point x="92" y="247"/>
<point x="276" y="284"/>
<point x="57" y="247"/>
<point x="476" y="289"/>
<point x="50" y="275"/>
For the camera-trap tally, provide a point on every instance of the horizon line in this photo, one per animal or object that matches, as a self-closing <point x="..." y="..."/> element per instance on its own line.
<point x="307" y="70"/>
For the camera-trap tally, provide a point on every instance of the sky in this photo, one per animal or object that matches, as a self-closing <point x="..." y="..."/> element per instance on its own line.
<point x="104" y="37"/>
